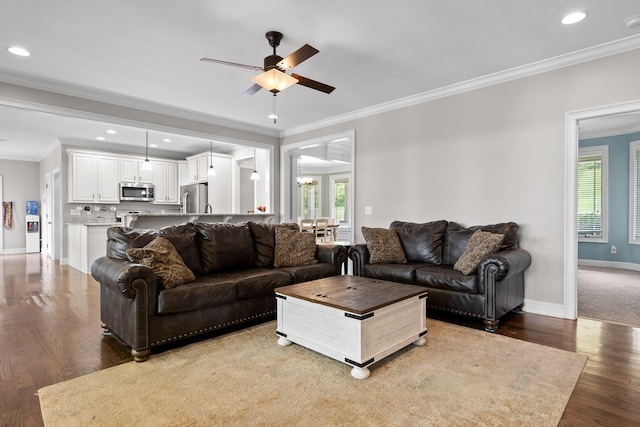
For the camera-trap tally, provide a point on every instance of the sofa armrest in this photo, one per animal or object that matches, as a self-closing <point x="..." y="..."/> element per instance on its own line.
<point x="359" y="255"/>
<point x="505" y="264"/>
<point x="127" y="279"/>
<point x="332" y="254"/>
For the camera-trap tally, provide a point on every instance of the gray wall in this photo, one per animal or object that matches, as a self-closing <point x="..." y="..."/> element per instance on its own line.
<point x="489" y="155"/>
<point x="20" y="183"/>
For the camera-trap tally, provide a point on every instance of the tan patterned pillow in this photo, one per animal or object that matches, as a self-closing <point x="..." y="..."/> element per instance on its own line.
<point x="294" y="248"/>
<point x="384" y="246"/>
<point x="163" y="258"/>
<point x="480" y="244"/>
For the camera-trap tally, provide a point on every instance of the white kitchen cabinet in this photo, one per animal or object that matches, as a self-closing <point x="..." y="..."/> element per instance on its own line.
<point x="165" y="180"/>
<point x="93" y="178"/>
<point x="86" y="243"/>
<point x="198" y="167"/>
<point x="131" y="171"/>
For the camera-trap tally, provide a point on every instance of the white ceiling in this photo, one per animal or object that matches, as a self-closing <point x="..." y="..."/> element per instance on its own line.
<point x="146" y="55"/>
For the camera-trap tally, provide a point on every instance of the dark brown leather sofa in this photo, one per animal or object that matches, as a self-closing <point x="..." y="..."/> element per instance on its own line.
<point x="432" y="249"/>
<point x="235" y="279"/>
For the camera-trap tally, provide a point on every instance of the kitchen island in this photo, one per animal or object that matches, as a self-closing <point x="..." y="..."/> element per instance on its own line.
<point x="148" y="220"/>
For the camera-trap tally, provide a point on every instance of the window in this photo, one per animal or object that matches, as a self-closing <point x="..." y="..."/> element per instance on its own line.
<point x="634" y="196"/>
<point x="592" y="193"/>
<point x="339" y="197"/>
<point x="310" y="199"/>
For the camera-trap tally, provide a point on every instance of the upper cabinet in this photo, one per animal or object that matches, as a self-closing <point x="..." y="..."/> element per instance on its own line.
<point x="165" y="180"/>
<point x="131" y="171"/>
<point x="93" y="178"/>
<point x="197" y="168"/>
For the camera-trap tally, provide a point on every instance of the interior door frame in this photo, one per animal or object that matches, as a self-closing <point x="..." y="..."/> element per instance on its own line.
<point x="572" y="136"/>
<point x="288" y="170"/>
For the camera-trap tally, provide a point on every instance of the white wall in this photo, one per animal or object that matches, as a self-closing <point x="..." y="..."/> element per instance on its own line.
<point x="490" y="155"/>
<point x="20" y="183"/>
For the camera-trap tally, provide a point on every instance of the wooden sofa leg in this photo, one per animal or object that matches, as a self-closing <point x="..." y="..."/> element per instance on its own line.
<point x="518" y="309"/>
<point x="490" y="325"/>
<point x="140" y="356"/>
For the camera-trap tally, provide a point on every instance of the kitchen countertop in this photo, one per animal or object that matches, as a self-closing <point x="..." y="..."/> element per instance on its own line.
<point x="157" y="220"/>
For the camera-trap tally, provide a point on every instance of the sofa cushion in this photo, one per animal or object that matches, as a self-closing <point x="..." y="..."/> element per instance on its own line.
<point x="185" y="238"/>
<point x="421" y="242"/>
<point x="119" y="239"/>
<point x="446" y="278"/>
<point x="457" y="236"/>
<point x="384" y="246"/>
<point x="225" y="247"/>
<point x="205" y="292"/>
<point x="260" y="281"/>
<point x="161" y="256"/>
<point x="510" y="230"/>
<point x="481" y="243"/>
<point x="402" y="273"/>
<point x="294" y="248"/>
<point x="305" y="273"/>
<point x="264" y="239"/>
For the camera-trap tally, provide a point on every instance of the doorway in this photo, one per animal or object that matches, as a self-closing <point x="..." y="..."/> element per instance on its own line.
<point x="317" y="180"/>
<point x="572" y="121"/>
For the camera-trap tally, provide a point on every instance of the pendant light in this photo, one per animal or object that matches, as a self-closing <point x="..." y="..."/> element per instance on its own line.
<point x="254" y="175"/>
<point x="146" y="165"/>
<point x="211" y="171"/>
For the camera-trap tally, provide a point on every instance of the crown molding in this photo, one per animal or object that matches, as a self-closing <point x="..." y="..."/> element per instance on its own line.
<point x="561" y="61"/>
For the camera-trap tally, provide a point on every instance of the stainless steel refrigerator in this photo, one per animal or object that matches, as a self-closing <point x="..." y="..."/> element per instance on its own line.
<point x="193" y="198"/>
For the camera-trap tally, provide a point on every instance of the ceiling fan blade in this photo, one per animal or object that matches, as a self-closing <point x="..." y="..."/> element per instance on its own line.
<point x="253" y="89"/>
<point x="313" y="84"/>
<point x="302" y="54"/>
<point x="233" y="64"/>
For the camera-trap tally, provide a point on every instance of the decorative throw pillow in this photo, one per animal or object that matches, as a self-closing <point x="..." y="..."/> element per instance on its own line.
<point x="163" y="258"/>
<point x="480" y="244"/>
<point x="384" y="246"/>
<point x="294" y="248"/>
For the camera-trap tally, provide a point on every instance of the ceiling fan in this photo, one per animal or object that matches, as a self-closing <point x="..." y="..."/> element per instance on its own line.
<point x="275" y="78"/>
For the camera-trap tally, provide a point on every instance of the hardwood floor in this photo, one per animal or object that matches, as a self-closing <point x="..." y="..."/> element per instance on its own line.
<point x="50" y="332"/>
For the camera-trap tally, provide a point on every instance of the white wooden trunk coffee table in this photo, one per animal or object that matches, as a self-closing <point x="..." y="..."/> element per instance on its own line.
<point x="353" y="319"/>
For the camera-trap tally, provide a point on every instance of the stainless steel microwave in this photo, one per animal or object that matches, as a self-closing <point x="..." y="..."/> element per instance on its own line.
<point x="136" y="192"/>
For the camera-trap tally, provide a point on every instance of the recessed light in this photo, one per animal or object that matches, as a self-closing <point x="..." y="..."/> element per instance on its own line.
<point x="111" y="132"/>
<point x="101" y="138"/>
<point x="572" y="18"/>
<point x="153" y="145"/>
<point x="166" y="140"/>
<point x="19" y="51"/>
<point x="632" y="21"/>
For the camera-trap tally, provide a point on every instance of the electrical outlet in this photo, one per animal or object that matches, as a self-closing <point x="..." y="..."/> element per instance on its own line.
<point x="368" y="210"/>
<point x="614" y="249"/>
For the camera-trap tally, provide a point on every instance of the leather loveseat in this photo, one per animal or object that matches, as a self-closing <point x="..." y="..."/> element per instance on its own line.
<point x="233" y="265"/>
<point x="432" y="249"/>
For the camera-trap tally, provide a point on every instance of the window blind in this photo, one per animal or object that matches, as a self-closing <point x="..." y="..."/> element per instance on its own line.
<point x="636" y="192"/>
<point x="590" y="192"/>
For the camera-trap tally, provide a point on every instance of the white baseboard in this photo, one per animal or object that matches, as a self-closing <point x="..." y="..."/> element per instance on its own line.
<point x="609" y="264"/>
<point x="15" y="251"/>
<point x="64" y="261"/>
<point x="544" y="308"/>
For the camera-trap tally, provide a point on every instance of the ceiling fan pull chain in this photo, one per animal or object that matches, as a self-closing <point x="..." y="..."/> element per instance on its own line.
<point x="274" y="113"/>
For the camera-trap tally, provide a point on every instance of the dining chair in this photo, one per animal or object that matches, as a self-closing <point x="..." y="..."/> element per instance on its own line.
<point x="306" y="225"/>
<point x="322" y="229"/>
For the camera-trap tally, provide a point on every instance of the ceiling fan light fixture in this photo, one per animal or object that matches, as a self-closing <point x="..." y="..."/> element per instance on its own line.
<point x="274" y="80"/>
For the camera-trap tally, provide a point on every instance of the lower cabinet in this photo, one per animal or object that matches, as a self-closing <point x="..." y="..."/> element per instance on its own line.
<point x="85" y="244"/>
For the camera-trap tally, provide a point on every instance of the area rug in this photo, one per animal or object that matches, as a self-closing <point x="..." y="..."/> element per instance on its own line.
<point x="461" y="377"/>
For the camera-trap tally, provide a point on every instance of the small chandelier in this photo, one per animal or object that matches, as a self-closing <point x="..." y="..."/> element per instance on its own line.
<point x="303" y="180"/>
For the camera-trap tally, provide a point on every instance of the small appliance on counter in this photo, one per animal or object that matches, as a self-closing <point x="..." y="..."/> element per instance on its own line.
<point x="194" y="198"/>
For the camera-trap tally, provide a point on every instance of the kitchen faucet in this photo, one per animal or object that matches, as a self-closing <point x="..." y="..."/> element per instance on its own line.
<point x="208" y="209"/>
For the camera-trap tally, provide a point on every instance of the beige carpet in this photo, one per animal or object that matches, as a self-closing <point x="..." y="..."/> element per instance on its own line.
<point x="461" y="377"/>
